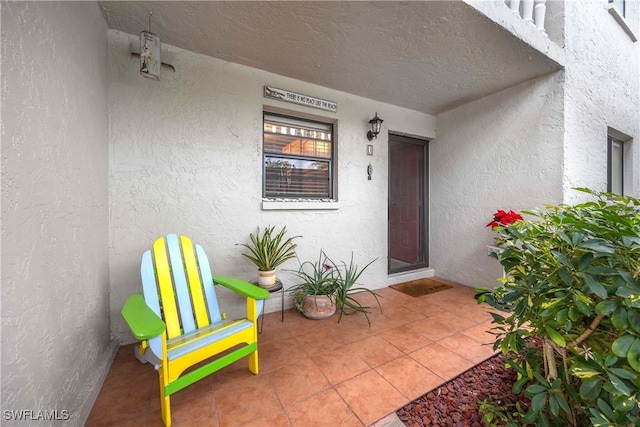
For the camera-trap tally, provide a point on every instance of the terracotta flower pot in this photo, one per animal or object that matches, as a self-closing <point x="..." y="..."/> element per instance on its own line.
<point x="318" y="307"/>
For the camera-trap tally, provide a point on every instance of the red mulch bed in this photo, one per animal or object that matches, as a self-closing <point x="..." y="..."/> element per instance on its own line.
<point x="457" y="402"/>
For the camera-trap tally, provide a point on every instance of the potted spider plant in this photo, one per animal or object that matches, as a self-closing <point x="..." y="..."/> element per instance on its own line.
<point x="315" y="294"/>
<point x="267" y="251"/>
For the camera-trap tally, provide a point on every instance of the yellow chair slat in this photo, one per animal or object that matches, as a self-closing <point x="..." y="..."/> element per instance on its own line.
<point x="165" y="283"/>
<point x="200" y="334"/>
<point x="195" y="285"/>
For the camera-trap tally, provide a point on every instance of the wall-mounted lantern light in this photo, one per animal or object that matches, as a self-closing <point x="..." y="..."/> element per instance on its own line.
<point x="375" y="123"/>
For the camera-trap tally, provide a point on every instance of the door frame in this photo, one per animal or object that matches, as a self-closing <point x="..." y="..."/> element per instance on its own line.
<point x="424" y="208"/>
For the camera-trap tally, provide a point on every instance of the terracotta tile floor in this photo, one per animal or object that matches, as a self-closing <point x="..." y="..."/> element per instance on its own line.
<point x="317" y="373"/>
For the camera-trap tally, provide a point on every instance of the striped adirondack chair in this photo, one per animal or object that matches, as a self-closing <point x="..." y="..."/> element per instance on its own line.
<point x="178" y="320"/>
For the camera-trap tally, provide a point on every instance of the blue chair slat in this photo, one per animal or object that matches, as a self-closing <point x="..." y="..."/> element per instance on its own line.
<point x="207" y="282"/>
<point x="180" y="283"/>
<point x="206" y="337"/>
<point x="150" y="292"/>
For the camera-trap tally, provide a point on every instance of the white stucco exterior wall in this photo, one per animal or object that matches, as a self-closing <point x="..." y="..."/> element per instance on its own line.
<point x="550" y="41"/>
<point x="602" y="80"/>
<point x="186" y="157"/>
<point x="501" y="152"/>
<point x="56" y="346"/>
<point x="558" y="126"/>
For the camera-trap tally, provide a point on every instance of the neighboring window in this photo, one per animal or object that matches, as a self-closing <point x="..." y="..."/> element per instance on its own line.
<point x="298" y="158"/>
<point x="615" y="165"/>
<point x="617" y="9"/>
<point x="619" y="4"/>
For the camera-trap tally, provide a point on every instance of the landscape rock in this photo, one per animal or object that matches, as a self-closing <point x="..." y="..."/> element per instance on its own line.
<point x="457" y="402"/>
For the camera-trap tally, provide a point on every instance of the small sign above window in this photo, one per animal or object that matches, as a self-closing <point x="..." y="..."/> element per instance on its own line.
<point x="300" y="99"/>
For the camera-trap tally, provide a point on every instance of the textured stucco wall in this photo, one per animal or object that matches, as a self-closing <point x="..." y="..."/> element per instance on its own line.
<point x="549" y="42"/>
<point x="56" y="345"/>
<point x="501" y="152"/>
<point x="529" y="145"/>
<point x="186" y="158"/>
<point x="602" y="79"/>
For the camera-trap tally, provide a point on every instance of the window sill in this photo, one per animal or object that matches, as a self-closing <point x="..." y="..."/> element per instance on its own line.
<point x="277" y="205"/>
<point x="622" y="21"/>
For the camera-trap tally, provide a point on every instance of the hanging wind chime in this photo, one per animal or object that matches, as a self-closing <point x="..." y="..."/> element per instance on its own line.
<point x="150" y="53"/>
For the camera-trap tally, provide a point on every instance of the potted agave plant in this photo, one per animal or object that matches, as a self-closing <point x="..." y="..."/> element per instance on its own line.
<point x="267" y="251"/>
<point x="326" y="287"/>
<point x="346" y="287"/>
<point x="315" y="294"/>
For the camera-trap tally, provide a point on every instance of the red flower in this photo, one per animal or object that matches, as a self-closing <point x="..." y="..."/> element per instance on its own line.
<point x="502" y="218"/>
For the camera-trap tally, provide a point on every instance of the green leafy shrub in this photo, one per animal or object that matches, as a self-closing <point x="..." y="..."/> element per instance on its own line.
<point x="495" y="414"/>
<point x="573" y="285"/>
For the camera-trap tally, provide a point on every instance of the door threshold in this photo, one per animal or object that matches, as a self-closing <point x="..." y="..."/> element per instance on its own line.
<point x="406" y="276"/>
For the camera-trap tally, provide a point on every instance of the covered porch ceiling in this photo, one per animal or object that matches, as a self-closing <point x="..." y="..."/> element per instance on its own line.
<point x="428" y="56"/>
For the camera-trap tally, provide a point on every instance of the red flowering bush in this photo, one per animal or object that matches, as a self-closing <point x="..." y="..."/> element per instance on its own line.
<point x="502" y="218"/>
<point x="573" y="280"/>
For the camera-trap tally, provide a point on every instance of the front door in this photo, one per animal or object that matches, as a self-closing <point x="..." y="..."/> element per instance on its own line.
<point x="407" y="203"/>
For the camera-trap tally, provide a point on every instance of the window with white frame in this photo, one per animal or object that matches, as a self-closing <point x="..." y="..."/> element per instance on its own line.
<point x="615" y="165"/>
<point x="618" y="9"/>
<point x="619" y="4"/>
<point x="298" y="158"/>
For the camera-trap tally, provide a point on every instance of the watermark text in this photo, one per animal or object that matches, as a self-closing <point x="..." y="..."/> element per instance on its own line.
<point x="35" y="415"/>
